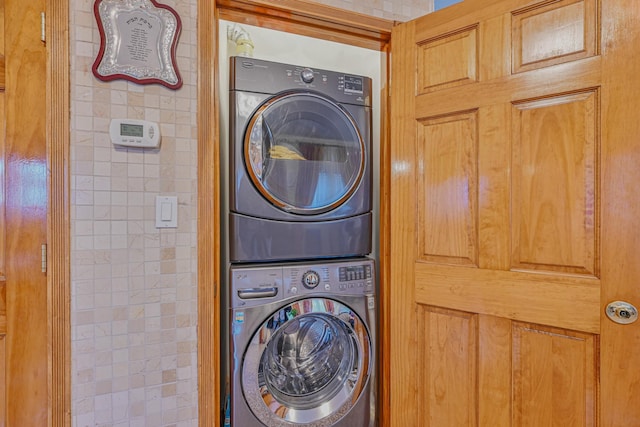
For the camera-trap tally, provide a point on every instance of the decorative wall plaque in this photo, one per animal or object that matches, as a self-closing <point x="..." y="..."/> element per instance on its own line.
<point x="138" y="40"/>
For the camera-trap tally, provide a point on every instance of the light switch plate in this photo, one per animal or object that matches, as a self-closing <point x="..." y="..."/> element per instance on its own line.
<point x="166" y="212"/>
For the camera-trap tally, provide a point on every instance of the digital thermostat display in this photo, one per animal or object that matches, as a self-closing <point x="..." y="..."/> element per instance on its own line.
<point x="134" y="133"/>
<point x="128" y="129"/>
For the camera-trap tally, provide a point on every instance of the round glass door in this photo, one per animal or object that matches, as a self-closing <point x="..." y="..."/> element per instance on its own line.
<point x="308" y="362"/>
<point x="304" y="153"/>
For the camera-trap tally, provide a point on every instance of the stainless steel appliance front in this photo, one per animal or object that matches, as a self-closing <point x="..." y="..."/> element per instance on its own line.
<point x="300" y="163"/>
<point x="302" y="344"/>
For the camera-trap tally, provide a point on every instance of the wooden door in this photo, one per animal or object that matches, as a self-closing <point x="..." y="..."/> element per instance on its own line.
<point x="515" y="215"/>
<point x="23" y="216"/>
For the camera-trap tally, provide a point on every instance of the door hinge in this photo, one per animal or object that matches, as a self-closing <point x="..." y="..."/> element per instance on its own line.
<point x="43" y="27"/>
<point x="44" y="258"/>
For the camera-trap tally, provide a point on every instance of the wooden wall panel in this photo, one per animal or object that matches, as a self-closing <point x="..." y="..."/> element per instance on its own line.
<point x="555" y="377"/>
<point x="553" y="32"/>
<point x="448" y="379"/>
<point x="448" y="61"/>
<point x="555" y="174"/>
<point x="448" y="189"/>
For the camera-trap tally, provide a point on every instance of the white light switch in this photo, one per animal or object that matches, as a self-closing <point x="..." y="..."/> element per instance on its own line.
<point x="166" y="211"/>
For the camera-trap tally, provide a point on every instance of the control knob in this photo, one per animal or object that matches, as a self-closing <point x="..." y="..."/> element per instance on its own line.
<point x="307" y="75"/>
<point x="310" y="279"/>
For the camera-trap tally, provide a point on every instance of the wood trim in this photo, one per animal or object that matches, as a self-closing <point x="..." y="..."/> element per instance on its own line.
<point x="58" y="218"/>
<point x="2" y="59"/>
<point x="301" y="17"/>
<point x="311" y="19"/>
<point x="524" y="296"/>
<point x="3" y="142"/>
<point x="3" y="377"/>
<point x="384" y="307"/>
<point x="620" y="156"/>
<point x="403" y="360"/>
<point x="209" y="305"/>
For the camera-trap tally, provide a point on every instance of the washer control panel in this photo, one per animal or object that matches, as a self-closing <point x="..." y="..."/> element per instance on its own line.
<point x="355" y="277"/>
<point x="257" y="284"/>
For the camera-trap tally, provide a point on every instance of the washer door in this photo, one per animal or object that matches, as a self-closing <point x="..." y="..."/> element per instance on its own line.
<point x="304" y="153"/>
<point x="307" y="364"/>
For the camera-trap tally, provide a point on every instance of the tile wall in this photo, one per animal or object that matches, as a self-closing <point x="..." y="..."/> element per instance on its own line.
<point x="134" y="287"/>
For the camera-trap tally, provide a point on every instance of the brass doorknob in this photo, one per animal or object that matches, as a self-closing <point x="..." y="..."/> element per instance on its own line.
<point x="622" y="312"/>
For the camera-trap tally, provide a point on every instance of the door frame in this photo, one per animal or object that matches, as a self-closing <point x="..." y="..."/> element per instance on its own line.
<point x="301" y="17"/>
<point x="58" y="217"/>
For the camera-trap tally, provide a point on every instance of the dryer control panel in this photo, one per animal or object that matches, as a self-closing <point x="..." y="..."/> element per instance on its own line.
<point x="256" y="75"/>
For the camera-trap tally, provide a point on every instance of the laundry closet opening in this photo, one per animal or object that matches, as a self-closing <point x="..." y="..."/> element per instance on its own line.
<point x="313" y="52"/>
<point x="299" y="152"/>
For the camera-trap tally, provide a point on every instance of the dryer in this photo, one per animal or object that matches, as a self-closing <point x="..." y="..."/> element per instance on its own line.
<point x="300" y="178"/>
<point x="303" y="344"/>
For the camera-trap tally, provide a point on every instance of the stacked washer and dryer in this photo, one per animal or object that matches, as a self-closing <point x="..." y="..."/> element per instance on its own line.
<point x="301" y="287"/>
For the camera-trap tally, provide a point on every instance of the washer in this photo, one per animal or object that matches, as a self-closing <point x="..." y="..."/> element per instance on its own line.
<point x="300" y="176"/>
<point x="302" y="344"/>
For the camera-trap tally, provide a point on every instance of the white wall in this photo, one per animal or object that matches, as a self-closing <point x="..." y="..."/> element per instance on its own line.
<point x="396" y="10"/>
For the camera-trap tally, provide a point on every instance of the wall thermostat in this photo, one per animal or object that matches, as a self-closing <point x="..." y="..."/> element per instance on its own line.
<point x="134" y="133"/>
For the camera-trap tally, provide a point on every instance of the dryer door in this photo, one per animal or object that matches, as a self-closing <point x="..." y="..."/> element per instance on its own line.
<point x="307" y="364"/>
<point x="304" y="153"/>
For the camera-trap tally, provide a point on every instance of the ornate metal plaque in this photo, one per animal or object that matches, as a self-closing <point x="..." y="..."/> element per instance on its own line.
<point x="138" y="40"/>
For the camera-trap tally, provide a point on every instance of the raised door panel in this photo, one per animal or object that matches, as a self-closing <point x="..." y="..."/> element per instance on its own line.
<point x="554" y="184"/>
<point x="554" y="377"/>
<point x="449" y="345"/>
<point x="448" y="60"/>
<point x="447" y="191"/>
<point x="548" y="33"/>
